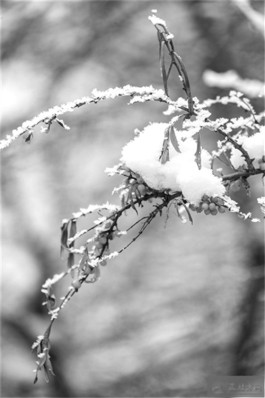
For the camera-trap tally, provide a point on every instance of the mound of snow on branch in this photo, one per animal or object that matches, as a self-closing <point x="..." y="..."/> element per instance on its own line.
<point x="180" y="172"/>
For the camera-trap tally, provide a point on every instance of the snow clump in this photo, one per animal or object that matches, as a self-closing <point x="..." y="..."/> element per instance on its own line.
<point x="196" y="183"/>
<point x="180" y="172"/>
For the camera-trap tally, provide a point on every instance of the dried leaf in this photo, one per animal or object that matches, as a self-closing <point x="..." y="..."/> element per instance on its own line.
<point x="29" y="137"/>
<point x="62" y="124"/>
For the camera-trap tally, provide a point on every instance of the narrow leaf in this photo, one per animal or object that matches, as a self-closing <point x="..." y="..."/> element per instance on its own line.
<point x="164" y="157"/>
<point x="64" y="236"/>
<point x="188" y="212"/>
<point x="169" y="70"/>
<point x="29" y="137"/>
<point x="72" y="231"/>
<point x="173" y="139"/>
<point x="70" y="260"/>
<point x="159" y="36"/>
<point x="163" y="67"/>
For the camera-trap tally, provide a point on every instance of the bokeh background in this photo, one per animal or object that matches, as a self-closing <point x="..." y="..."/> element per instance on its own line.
<point x="184" y="302"/>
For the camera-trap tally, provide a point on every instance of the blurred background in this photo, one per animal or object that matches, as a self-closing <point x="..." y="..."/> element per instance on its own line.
<point x="184" y="302"/>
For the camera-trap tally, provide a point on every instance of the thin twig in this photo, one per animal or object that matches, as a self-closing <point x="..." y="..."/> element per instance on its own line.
<point x="237" y="146"/>
<point x="165" y="40"/>
<point x="48" y="117"/>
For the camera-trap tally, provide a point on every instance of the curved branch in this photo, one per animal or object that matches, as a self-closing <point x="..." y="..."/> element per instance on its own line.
<point x="48" y="117"/>
<point x="239" y="147"/>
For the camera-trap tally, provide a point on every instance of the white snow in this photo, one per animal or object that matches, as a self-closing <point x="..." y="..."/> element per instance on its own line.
<point x="180" y="173"/>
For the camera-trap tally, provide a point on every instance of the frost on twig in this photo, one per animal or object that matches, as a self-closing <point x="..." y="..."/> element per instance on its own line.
<point x="45" y="119"/>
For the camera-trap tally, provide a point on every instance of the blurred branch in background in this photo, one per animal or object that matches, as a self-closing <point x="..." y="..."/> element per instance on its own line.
<point x="254" y="17"/>
<point x="230" y="79"/>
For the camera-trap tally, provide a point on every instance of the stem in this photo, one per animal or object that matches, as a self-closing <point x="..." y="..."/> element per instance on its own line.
<point x="175" y="60"/>
<point x="152" y="215"/>
<point x="237" y="146"/>
<point x="242" y="174"/>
